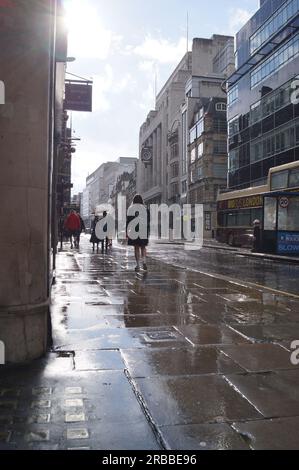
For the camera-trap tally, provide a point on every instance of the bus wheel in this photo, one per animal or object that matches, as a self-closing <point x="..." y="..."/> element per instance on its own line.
<point x="231" y="240"/>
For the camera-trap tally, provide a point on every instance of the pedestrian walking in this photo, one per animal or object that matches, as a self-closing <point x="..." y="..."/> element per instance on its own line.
<point x="94" y="239"/>
<point x="139" y="243"/>
<point x="256" y="236"/>
<point x="82" y="229"/>
<point x="72" y="225"/>
<point x="108" y="230"/>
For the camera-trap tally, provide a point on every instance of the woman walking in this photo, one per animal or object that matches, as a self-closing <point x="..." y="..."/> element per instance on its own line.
<point x="139" y="242"/>
<point x="94" y="239"/>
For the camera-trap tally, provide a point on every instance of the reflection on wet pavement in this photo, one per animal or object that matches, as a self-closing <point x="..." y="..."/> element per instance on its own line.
<point x="172" y="358"/>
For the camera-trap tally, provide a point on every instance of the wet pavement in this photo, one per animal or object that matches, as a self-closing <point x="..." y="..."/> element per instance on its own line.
<point x="173" y="358"/>
<point x="277" y="274"/>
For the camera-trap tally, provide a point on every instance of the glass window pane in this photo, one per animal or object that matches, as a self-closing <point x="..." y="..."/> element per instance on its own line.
<point x="294" y="178"/>
<point x="279" y="180"/>
<point x="288" y="216"/>
<point x="270" y="213"/>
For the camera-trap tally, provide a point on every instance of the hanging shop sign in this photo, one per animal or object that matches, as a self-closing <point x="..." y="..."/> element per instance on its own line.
<point x="78" y="95"/>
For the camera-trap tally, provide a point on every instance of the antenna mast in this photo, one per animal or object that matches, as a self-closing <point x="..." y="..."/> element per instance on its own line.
<point x="187" y="31"/>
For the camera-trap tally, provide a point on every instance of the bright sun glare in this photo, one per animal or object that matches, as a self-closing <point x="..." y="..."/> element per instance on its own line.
<point x="87" y="38"/>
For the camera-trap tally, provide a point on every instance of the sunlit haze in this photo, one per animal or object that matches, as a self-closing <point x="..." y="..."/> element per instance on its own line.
<point x="122" y="46"/>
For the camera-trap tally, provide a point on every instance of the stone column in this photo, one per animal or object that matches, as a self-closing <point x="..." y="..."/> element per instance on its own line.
<point x="25" y="69"/>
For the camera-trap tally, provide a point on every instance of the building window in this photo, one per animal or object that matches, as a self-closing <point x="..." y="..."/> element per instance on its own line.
<point x="174" y="170"/>
<point x="220" y="126"/>
<point x="274" y="24"/>
<point x="233" y="126"/>
<point x="280" y="140"/>
<point x="220" y="106"/>
<point x="233" y="95"/>
<point x="208" y="221"/>
<point x="196" y="174"/>
<point x="200" y="150"/>
<point x="200" y="127"/>
<point x="184" y="187"/>
<point x="274" y="101"/>
<point x="275" y="62"/>
<point x="220" y="147"/>
<point x="174" y="189"/>
<point x="184" y="143"/>
<point x="174" y="150"/>
<point x="192" y="135"/>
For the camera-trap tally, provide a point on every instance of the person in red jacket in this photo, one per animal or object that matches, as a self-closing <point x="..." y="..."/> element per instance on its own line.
<point x="73" y="227"/>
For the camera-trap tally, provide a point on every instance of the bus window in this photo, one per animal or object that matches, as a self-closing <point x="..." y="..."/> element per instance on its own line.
<point x="244" y="218"/>
<point x="288" y="216"/>
<point x="279" y="180"/>
<point x="270" y="213"/>
<point x="256" y="214"/>
<point x="231" y="219"/>
<point x="294" y="178"/>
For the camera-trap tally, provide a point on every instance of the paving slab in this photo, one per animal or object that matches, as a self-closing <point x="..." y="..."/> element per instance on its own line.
<point x="259" y="357"/>
<point x="270" y="434"/>
<point x="193" y="400"/>
<point x="98" y="360"/>
<point x="269" y="333"/>
<point x="176" y="362"/>
<point x="202" y="437"/>
<point x="210" y="334"/>
<point x="273" y="394"/>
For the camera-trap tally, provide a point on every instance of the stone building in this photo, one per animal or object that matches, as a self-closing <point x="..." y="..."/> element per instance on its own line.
<point x="164" y="169"/>
<point x="160" y="134"/>
<point x="204" y="126"/>
<point x="30" y="128"/>
<point x="100" y="184"/>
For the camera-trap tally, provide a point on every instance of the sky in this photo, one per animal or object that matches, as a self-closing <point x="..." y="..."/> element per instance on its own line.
<point x="122" y="45"/>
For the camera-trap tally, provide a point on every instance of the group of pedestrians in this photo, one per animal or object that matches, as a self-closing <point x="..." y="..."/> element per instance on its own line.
<point x="105" y="239"/>
<point x="74" y="225"/>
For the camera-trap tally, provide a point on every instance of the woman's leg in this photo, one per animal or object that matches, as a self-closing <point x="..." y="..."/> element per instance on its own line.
<point x="137" y="256"/>
<point x="143" y="257"/>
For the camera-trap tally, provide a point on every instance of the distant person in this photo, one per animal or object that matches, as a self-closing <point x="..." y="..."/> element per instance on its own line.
<point x="94" y="239"/>
<point x="82" y="229"/>
<point x="107" y="230"/>
<point x="73" y="226"/>
<point x="139" y="243"/>
<point x="256" y="236"/>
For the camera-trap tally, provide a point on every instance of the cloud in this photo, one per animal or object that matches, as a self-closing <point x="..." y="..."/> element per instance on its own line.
<point x="87" y="37"/>
<point x="146" y="101"/>
<point x="102" y="84"/>
<point x="238" y="18"/>
<point x="146" y="66"/>
<point x="108" y="84"/>
<point x="161" y="50"/>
